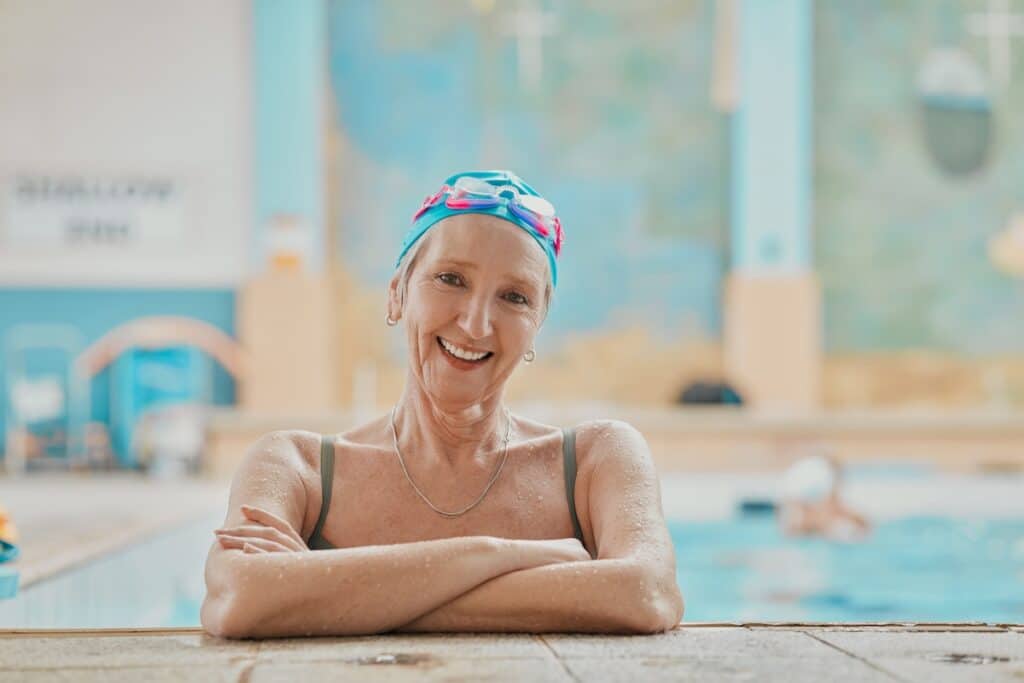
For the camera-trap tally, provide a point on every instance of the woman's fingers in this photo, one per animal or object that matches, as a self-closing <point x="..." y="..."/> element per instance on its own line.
<point x="258" y="531"/>
<point x="270" y="519"/>
<point x="265" y="546"/>
<point x="254" y="544"/>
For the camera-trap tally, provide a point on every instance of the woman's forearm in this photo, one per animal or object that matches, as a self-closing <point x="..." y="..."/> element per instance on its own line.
<point x="348" y="591"/>
<point x="600" y="596"/>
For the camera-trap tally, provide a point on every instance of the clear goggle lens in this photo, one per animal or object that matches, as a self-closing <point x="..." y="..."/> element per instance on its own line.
<point x="483" y="189"/>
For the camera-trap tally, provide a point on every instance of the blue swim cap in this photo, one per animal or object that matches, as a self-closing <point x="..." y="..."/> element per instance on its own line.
<point x="491" y="193"/>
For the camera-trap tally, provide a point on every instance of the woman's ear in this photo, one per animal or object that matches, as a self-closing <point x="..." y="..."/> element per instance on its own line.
<point x="394" y="306"/>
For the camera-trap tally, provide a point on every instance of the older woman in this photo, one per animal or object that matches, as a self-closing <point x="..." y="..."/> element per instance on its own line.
<point x="450" y="513"/>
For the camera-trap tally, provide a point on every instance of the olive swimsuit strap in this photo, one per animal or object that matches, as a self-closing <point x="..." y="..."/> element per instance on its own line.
<point x="317" y="542"/>
<point x="569" y="467"/>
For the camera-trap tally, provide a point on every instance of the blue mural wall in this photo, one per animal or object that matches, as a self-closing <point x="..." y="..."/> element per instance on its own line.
<point x="618" y="132"/>
<point x="901" y="244"/>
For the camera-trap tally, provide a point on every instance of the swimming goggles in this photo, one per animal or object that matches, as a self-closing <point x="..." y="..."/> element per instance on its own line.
<point x="469" y="194"/>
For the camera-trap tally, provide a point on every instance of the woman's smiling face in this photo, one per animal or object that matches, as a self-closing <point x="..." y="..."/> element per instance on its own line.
<point x="475" y="299"/>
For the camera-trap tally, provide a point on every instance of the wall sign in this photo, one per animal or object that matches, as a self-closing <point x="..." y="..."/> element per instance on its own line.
<point x="76" y="211"/>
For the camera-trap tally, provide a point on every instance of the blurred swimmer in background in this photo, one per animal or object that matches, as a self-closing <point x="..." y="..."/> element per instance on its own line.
<point x="810" y="503"/>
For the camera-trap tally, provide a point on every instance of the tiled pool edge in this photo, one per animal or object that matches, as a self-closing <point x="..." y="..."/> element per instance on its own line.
<point x="895" y="626"/>
<point x="703" y="651"/>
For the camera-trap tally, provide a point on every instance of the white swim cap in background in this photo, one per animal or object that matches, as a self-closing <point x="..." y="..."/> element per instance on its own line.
<point x="809" y="480"/>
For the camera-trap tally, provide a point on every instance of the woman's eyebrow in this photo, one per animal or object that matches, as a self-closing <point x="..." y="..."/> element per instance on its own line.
<point x="467" y="265"/>
<point x="524" y="282"/>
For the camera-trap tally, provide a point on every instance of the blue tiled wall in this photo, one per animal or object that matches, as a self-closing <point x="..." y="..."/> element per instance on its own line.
<point x="97" y="311"/>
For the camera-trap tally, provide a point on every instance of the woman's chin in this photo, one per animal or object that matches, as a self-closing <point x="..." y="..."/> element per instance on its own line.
<point x="453" y="394"/>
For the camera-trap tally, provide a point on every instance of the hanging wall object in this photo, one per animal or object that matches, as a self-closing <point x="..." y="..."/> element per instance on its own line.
<point x="956" y="111"/>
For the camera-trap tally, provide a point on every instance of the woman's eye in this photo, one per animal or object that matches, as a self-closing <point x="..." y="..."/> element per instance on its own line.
<point x="516" y="298"/>
<point x="450" y="279"/>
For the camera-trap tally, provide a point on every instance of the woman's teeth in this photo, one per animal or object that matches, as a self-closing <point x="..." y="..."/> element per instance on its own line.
<point x="460" y="353"/>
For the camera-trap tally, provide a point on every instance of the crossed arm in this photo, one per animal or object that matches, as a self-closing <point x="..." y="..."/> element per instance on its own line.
<point x="262" y="581"/>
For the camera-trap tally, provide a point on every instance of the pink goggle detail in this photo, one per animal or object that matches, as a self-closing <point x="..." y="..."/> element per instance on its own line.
<point x="431" y="201"/>
<point x="460" y="201"/>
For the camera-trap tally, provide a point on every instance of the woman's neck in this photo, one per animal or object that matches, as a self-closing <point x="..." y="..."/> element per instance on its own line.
<point x="427" y="430"/>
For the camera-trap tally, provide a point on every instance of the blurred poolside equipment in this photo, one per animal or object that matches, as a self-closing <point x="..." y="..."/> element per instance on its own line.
<point x="710" y="393"/>
<point x="751" y="507"/>
<point x="160" y="388"/>
<point x="47" y="398"/>
<point x="146" y="383"/>
<point x="168" y="438"/>
<point x="8" y="553"/>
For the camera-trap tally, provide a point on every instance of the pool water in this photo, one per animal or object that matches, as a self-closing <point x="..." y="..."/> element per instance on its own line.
<point x="742" y="569"/>
<point x="158" y="582"/>
<point x="912" y="569"/>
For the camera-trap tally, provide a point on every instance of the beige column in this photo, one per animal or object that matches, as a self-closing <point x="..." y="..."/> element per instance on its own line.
<point x="286" y="323"/>
<point x="772" y="298"/>
<point x="773" y="339"/>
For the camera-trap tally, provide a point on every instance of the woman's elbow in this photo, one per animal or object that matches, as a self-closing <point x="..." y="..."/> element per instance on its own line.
<point x="667" y="612"/>
<point x="224" y="612"/>
<point x="219" y="618"/>
<point x="659" y="605"/>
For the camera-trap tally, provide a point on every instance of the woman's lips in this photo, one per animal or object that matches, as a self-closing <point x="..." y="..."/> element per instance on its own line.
<point x="461" y="363"/>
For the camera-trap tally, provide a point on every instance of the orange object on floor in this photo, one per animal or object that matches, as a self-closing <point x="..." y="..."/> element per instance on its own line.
<point x="8" y="532"/>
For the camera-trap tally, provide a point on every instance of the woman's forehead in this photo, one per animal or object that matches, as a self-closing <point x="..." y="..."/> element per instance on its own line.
<point x="487" y="241"/>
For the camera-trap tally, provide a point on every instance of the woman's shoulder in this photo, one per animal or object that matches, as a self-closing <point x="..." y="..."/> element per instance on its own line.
<point x="277" y="467"/>
<point x="595" y="439"/>
<point x="600" y="439"/>
<point x="294" y="448"/>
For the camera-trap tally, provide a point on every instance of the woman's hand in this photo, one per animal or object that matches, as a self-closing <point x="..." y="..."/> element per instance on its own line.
<point x="267" y="533"/>
<point x="539" y="553"/>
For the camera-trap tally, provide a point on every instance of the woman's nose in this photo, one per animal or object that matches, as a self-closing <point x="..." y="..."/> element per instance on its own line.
<point x="476" y="319"/>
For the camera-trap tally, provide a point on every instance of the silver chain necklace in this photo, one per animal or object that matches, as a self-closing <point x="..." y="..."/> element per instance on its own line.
<point x="494" y="477"/>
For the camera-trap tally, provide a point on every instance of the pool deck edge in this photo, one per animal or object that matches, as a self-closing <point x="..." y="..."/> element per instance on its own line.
<point x="699" y="651"/>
